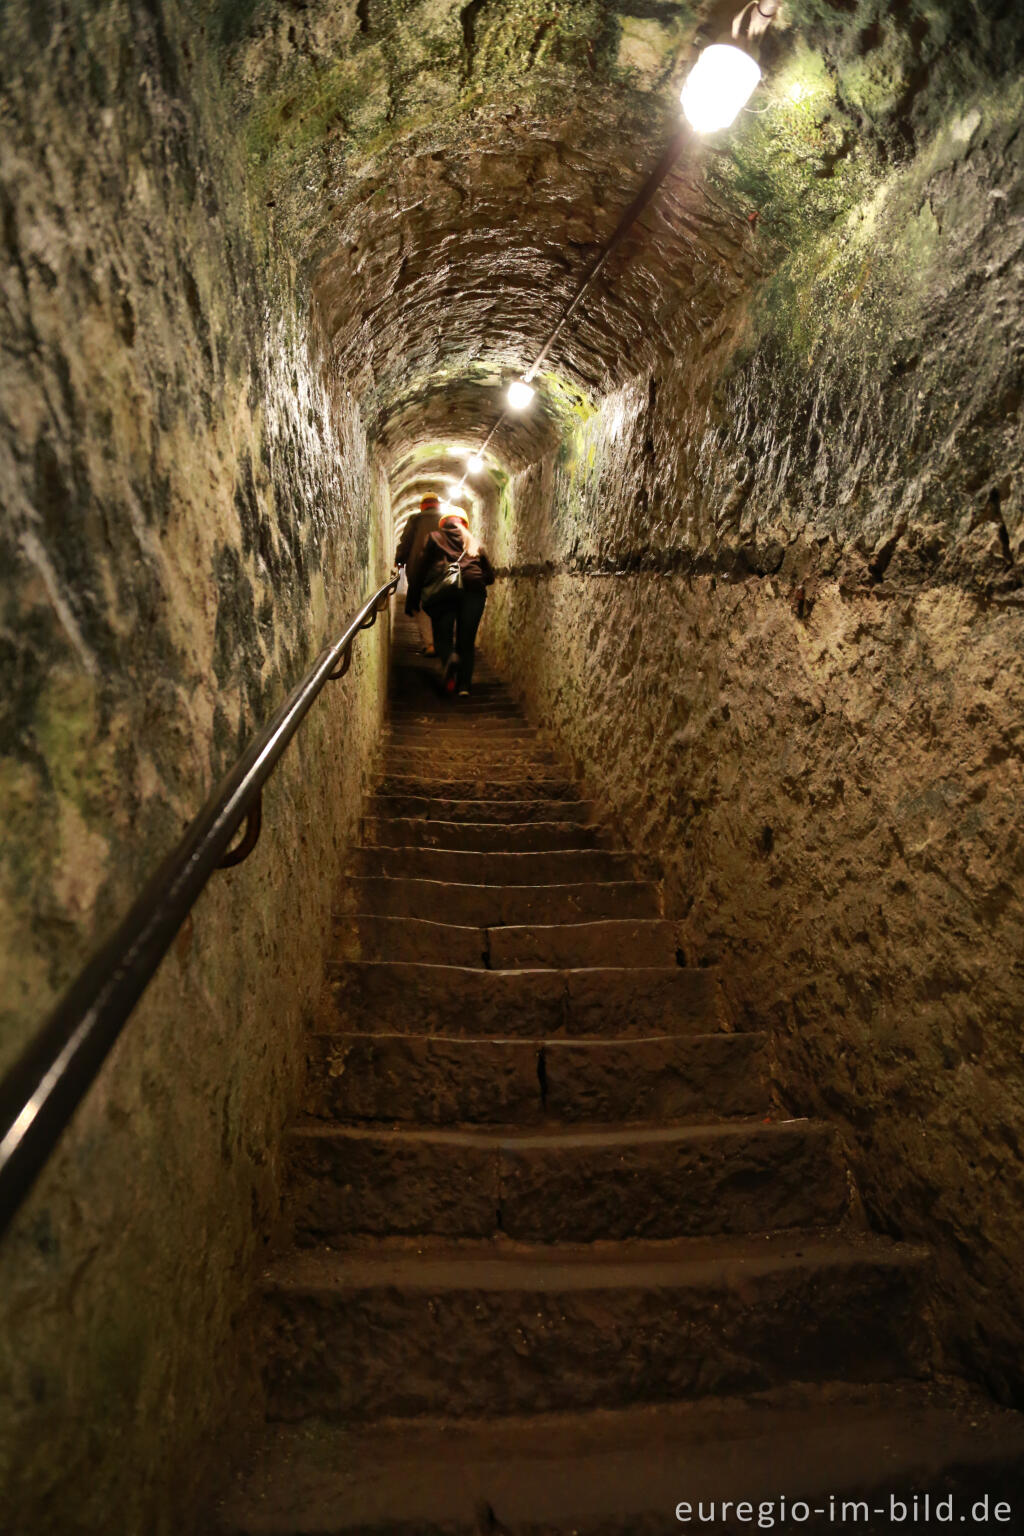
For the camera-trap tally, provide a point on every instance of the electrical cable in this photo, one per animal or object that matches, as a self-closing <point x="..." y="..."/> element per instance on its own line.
<point x="758" y="16"/>
<point x="665" y="164"/>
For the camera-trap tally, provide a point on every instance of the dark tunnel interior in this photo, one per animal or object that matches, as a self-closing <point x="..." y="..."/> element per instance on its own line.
<point x="269" y="269"/>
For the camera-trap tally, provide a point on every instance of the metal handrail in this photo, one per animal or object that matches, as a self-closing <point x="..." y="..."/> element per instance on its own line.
<point x="40" y="1093"/>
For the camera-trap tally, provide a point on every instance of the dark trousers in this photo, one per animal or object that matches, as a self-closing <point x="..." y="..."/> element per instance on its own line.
<point x="455" y="629"/>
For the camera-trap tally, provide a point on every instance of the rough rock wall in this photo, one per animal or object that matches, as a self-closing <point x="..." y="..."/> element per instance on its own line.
<point x="770" y="601"/>
<point x="187" y="518"/>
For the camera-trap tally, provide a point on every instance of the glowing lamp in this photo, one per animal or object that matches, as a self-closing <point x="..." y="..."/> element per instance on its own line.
<point x="520" y="394"/>
<point x="720" y="83"/>
<point x="474" y="464"/>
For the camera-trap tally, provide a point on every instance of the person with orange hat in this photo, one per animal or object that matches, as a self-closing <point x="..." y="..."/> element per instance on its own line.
<point x="452" y="588"/>
<point x="411" y="548"/>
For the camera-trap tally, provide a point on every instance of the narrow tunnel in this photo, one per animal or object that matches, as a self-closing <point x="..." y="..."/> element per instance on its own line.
<point x="604" y="1092"/>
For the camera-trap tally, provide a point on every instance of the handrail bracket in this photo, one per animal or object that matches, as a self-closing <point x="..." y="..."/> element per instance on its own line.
<point x="250" y="837"/>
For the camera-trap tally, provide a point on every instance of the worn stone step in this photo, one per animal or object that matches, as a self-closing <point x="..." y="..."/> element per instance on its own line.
<point x="398" y="1330"/>
<point x="619" y="942"/>
<point x="568" y="866"/>
<point x="367" y="936"/>
<point x="478" y="836"/>
<point x="624" y="1472"/>
<point x="372" y="995"/>
<point x="489" y="697"/>
<point x="462" y="717"/>
<point x="453" y="781"/>
<point x="515" y="812"/>
<point x="446" y="1081"/>
<point x="564" y="1186"/>
<point x="492" y="905"/>
<point x="467" y="757"/>
<point x="470" y="742"/>
<point x="484" y="727"/>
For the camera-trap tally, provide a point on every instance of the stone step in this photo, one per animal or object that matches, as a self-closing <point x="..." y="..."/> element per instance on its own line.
<point x="425" y="730"/>
<point x="515" y="812"/>
<point x="492" y="905"/>
<point x="375" y="995"/>
<point x="489" y="698"/>
<point x="568" y="866"/>
<point x="614" y="942"/>
<point x="461" y="717"/>
<point x="473" y="741"/>
<point x="393" y="1329"/>
<point x="564" y="1186"/>
<point x="625" y="1472"/>
<point x="618" y="942"/>
<point x="478" y="836"/>
<point x="443" y="1081"/>
<point x="453" y="781"/>
<point x="468" y="757"/>
<point x="367" y="936"/>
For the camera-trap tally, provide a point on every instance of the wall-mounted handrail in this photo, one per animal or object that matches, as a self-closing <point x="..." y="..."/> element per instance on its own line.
<point x="40" y="1093"/>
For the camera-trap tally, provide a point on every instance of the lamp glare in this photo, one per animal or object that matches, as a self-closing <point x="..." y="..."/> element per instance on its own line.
<point x="720" y="83"/>
<point x="474" y="463"/>
<point x="520" y="394"/>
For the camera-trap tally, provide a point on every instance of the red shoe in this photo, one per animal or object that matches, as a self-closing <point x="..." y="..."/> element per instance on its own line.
<point x="451" y="667"/>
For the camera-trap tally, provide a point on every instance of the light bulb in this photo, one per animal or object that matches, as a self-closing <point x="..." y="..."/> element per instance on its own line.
<point x="520" y="394"/>
<point x="474" y="464"/>
<point x="720" y="83"/>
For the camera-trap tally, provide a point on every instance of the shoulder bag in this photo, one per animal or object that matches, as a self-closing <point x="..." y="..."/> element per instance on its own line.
<point x="442" y="586"/>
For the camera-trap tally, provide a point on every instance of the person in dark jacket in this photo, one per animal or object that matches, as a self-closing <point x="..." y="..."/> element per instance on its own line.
<point x="455" y="611"/>
<point x="411" y="548"/>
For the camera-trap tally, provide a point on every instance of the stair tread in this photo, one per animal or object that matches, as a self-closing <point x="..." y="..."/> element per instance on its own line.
<point x="540" y="997"/>
<point x="621" y="1472"/>
<point x="478" y="808"/>
<point x="542" y="887"/>
<point x="432" y="1264"/>
<point x="440" y="781"/>
<point x="587" y="923"/>
<point x="558" y="1138"/>
<point x="575" y="1042"/>
<point x="457" y="866"/>
<point x="516" y="857"/>
<point x="428" y="822"/>
<point x="482" y="837"/>
<point x="380" y="1078"/>
<point x="634" y="973"/>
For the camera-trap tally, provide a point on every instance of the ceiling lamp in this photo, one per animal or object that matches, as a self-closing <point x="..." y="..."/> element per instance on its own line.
<point x="474" y="463"/>
<point x="718" y="86"/>
<point x="520" y="394"/>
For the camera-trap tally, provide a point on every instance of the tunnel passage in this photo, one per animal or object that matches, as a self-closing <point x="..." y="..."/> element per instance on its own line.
<point x="270" y="268"/>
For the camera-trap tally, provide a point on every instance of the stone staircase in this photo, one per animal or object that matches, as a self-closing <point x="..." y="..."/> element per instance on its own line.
<point x="558" y="1265"/>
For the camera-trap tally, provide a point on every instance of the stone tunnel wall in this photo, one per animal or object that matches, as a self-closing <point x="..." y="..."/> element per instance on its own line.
<point x="187" y="518"/>
<point x="769" y="601"/>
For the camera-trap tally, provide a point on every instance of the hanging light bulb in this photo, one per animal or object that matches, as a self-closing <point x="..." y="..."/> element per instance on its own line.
<point x="520" y="394"/>
<point x="474" y="464"/>
<point x="720" y="83"/>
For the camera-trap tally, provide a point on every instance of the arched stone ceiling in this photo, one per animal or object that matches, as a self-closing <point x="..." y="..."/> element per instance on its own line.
<point x="446" y="171"/>
<point x="459" y="167"/>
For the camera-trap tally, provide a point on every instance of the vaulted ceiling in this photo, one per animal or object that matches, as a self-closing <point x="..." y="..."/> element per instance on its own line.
<point x="445" y="172"/>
